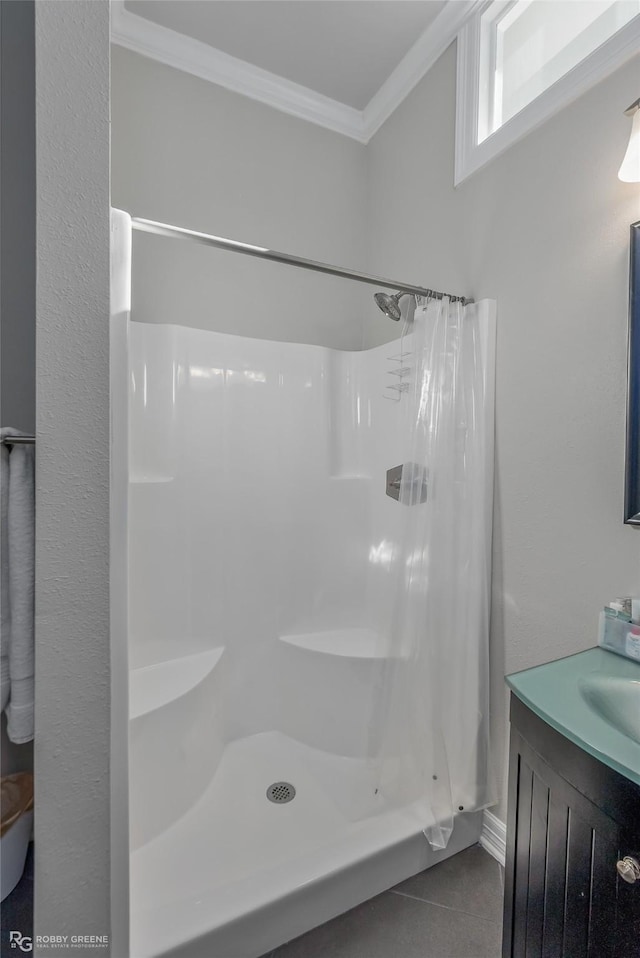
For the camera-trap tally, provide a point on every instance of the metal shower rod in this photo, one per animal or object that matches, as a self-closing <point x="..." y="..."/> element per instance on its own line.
<point x="219" y="242"/>
<point x="18" y="441"/>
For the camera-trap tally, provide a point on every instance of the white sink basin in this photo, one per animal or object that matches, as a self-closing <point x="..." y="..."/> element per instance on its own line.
<point x="615" y="699"/>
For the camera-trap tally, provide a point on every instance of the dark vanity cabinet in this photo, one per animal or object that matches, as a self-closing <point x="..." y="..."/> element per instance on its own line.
<point x="571" y="819"/>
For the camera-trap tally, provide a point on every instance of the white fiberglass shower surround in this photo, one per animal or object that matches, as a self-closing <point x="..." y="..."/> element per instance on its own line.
<point x="307" y="654"/>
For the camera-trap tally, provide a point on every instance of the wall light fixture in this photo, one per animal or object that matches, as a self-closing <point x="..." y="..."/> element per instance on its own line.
<point x="629" y="171"/>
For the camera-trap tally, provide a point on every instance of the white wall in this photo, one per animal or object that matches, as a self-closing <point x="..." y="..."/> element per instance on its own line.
<point x="544" y="229"/>
<point x="190" y="153"/>
<point x="72" y="480"/>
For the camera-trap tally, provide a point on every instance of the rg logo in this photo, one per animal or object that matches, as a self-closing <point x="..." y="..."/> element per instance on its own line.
<point x="18" y="940"/>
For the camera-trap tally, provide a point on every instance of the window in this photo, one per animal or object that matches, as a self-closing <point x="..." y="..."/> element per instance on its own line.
<point x="520" y="61"/>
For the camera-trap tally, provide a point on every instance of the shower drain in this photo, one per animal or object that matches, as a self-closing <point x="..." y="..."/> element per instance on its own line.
<point x="281" y="792"/>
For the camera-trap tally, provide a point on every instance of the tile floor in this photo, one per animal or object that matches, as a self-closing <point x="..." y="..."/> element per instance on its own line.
<point x="453" y="910"/>
<point x="17" y="909"/>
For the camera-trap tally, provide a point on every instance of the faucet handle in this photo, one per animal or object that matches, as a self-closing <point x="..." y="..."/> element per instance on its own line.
<point x="629" y="869"/>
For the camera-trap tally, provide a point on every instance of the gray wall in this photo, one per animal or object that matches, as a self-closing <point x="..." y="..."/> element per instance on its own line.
<point x="17" y="251"/>
<point x="17" y="215"/>
<point x="72" y="484"/>
<point x="190" y="153"/>
<point x="543" y="229"/>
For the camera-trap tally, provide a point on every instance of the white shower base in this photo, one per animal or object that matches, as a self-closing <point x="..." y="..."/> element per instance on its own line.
<point x="238" y="875"/>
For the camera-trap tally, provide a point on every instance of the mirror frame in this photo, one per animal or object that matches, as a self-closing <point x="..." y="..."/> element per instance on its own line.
<point x="632" y="459"/>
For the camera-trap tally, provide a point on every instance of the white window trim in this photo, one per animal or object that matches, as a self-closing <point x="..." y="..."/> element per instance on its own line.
<point x="471" y="155"/>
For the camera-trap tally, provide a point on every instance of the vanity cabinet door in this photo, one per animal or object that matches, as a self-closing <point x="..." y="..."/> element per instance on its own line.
<point x="562" y="892"/>
<point x="628" y="910"/>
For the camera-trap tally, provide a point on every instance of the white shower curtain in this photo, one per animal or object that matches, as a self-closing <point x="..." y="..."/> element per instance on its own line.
<point x="432" y="707"/>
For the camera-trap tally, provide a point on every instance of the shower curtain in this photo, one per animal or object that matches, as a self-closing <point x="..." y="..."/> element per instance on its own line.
<point x="432" y="703"/>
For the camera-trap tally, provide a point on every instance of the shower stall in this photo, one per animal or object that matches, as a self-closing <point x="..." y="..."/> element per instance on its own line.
<point x="303" y="586"/>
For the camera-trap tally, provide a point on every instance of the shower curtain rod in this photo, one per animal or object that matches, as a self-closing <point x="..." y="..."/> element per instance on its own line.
<point x="18" y="441"/>
<point x="219" y="242"/>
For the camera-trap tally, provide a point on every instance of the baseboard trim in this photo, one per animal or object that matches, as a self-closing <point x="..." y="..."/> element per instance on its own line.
<point x="493" y="837"/>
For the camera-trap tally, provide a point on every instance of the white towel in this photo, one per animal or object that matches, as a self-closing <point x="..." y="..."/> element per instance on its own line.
<point x="17" y="555"/>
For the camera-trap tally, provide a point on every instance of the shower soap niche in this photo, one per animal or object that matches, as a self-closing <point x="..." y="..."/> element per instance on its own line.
<point x="154" y="686"/>
<point x="348" y="643"/>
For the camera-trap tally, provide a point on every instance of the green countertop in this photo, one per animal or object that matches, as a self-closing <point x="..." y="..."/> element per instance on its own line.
<point x="551" y="691"/>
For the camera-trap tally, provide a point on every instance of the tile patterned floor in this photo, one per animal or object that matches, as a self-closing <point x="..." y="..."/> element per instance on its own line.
<point x="453" y="910"/>
<point x="17" y="909"/>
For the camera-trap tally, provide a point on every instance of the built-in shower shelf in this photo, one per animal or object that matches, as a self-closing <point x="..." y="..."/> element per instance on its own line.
<point x="153" y="686"/>
<point x="350" y="643"/>
<point x="140" y="480"/>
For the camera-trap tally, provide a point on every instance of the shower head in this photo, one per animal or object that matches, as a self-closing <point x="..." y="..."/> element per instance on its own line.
<point x="390" y="305"/>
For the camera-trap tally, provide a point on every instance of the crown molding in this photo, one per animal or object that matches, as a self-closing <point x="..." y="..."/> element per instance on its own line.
<point x="416" y="63"/>
<point x="192" y="56"/>
<point x="199" y="59"/>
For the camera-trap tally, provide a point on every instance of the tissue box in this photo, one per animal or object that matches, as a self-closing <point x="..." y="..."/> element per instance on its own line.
<point x="620" y="637"/>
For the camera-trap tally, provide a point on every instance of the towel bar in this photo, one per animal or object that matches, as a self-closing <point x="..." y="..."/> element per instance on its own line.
<point x="18" y="441"/>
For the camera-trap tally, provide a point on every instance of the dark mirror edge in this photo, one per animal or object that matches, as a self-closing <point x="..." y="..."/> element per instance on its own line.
<point x="632" y="457"/>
